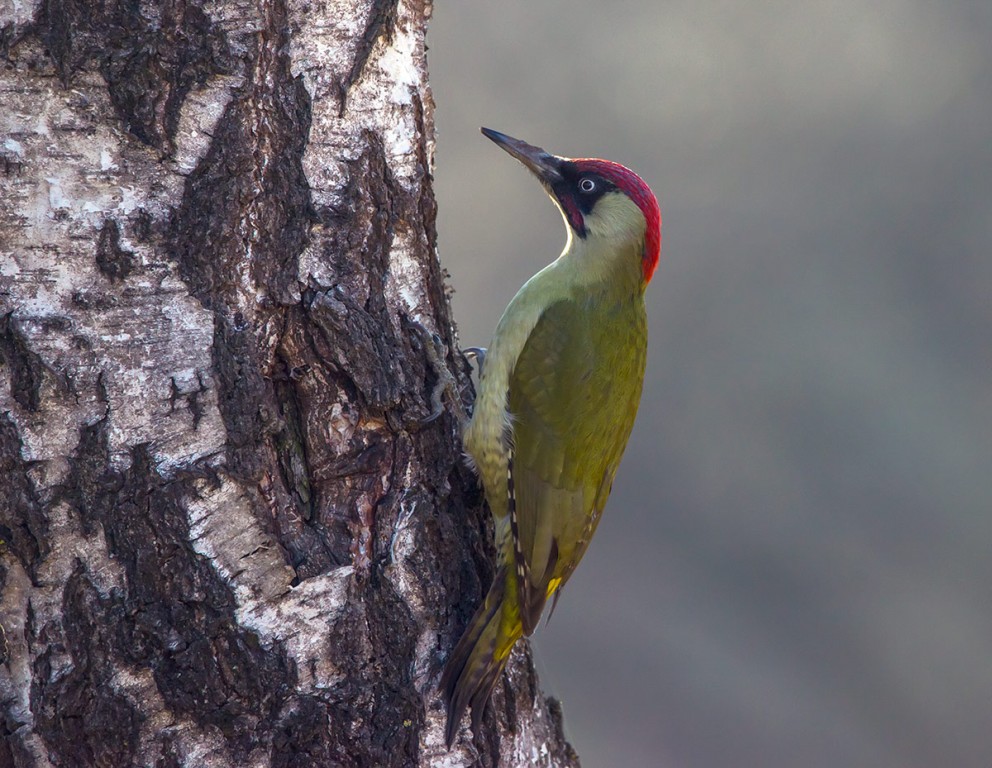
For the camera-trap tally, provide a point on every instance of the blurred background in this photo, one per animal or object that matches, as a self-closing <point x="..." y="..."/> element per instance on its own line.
<point x="795" y="567"/>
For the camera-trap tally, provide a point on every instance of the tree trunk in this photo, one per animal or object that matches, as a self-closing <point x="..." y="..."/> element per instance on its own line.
<point x="231" y="534"/>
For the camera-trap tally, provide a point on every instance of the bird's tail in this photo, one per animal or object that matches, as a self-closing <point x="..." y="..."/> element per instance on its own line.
<point x="477" y="661"/>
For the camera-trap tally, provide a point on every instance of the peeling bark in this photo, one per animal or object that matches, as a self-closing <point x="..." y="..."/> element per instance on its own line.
<point x="231" y="536"/>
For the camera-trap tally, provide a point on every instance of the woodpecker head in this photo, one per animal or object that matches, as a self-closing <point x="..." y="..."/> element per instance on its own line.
<point x="597" y="198"/>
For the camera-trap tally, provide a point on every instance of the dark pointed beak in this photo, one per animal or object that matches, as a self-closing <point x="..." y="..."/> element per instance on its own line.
<point x="542" y="164"/>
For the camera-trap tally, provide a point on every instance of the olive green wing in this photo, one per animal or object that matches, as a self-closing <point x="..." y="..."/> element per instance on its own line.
<point x="573" y="397"/>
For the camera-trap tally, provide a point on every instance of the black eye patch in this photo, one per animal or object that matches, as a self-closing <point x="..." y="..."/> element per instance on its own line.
<point x="584" y="187"/>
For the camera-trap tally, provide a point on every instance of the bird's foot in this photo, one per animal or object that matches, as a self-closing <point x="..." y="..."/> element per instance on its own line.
<point x="435" y="351"/>
<point x="476" y="353"/>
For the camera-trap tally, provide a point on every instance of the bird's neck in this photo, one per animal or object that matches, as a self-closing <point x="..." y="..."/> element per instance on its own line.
<point x="597" y="261"/>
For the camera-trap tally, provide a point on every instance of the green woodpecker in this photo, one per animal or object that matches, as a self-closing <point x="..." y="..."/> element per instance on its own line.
<point x="557" y="397"/>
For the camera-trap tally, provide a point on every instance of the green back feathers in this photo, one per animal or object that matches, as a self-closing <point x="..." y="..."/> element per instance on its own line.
<point x="574" y="393"/>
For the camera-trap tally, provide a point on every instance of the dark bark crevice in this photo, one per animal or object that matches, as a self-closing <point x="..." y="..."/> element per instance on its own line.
<point x="379" y="25"/>
<point x="80" y="716"/>
<point x="249" y="194"/>
<point x="149" y="62"/>
<point x="175" y="614"/>
<point x="113" y="261"/>
<point x="29" y="372"/>
<point x="24" y="526"/>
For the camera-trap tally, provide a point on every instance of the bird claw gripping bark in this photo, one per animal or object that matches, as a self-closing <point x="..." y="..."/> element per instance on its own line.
<point x="478" y="354"/>
<point x="435" y="351"/>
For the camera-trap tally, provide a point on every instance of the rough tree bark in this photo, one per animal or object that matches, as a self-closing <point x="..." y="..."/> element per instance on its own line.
<point x="230" y="535"/>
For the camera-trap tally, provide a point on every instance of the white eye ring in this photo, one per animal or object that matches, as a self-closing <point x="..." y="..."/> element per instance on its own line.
<point x="587" y="185"/>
